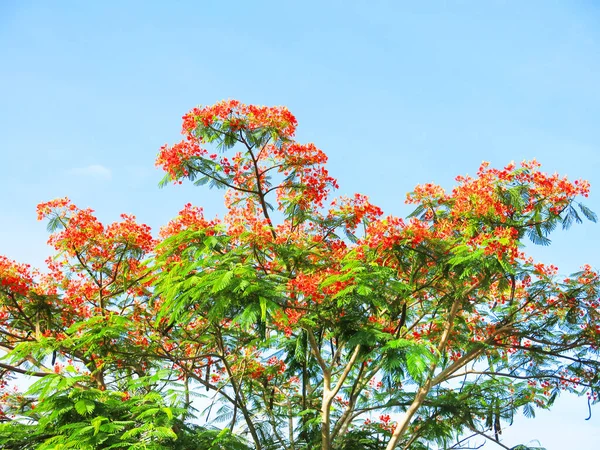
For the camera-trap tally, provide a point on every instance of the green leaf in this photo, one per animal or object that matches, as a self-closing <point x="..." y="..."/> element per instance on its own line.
<point x="528" y="411"/>
<point x="263" y="308"/>
<point x="147" y="413"/>
<point x="55" y="223"/>
<point x="168" y="412"/>
<point x="222" y="282"/>
<point x="418" y="211"/>
<point x="132" y="433"/>
<point x="247" y="318"/>
<point x="347" y="290"/>
<point x="537" y="237"/>
<point x="418" y="359"/>
<point x="165" y="433"/>
<point x="399" y="343"/>
<point x="84" y="407"/>
<point x="96" y="422"/>
<point x="364" y="290"/>
<point x="588" y="213"/>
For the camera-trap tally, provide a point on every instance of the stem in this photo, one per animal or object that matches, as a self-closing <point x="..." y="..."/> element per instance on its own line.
<point x="259" y="190"/>
<point x="325" y="416"/>
<point x="291" y="424"/>
<point x="23" y="371"/>
<point x="328" y="396"/>
<point x="343" y="422"/>
<point x="315" y="350"/>
<point x="326" y="399"/>
<point x="239" y="395"/>
<point x="402" y="426"/>
<point x="347" y="370"/>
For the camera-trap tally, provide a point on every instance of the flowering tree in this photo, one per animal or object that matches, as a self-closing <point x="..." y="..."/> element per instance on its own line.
<point x="305" y="322"/>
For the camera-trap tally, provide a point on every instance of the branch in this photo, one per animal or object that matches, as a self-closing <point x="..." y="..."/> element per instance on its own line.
<point x="495" y="441"/>
<point x="220" y="180"/>
<point x="238" y="393"/>
<point x="458" y="443"/>
<point x="315" y="350"/>
<point x="260" y="193"/>
<point x="24" y="372"/>
<point x="347" y="370"/>
<point x="87" y="269"/>
<point x="354" y="392"/>
<point x="517" y="377"/>
<point x="423" y="391"/>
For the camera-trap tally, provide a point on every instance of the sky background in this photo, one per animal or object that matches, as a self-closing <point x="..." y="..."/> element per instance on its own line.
<point x="396" y="93"/>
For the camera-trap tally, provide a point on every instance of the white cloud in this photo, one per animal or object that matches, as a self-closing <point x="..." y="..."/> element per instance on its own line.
<point x="94" y="171"/>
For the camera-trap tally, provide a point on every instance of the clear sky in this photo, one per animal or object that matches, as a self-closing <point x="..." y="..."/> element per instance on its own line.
<point x="396" y="93"/>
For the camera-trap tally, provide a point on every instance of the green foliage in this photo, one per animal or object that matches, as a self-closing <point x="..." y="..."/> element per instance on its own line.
<point x="301" y="326"/>
<point x="64" y="416"/>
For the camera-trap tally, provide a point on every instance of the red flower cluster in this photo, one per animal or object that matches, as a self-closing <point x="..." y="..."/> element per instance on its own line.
<point x="189" y="218"/>
<point x="264" y="136"/>
<point x="356" y="210"/>
<point x="237" y="115"/>
<point x="173" y="159"/>
<point x="15" y="277"/>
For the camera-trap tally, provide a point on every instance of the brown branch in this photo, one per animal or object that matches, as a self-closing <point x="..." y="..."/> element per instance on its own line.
<point x="23" y="371"/>
<point x="315" y="350"/>
<point x="421" y="394"/>
<point x="347" y="370"/>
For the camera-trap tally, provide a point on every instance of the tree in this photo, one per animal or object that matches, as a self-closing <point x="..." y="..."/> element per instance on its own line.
<point x="307" y="323"/>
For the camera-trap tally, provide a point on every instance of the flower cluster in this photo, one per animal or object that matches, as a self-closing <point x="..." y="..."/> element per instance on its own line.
<point x="189" y="218"/>
<point x="264" y="135"/>
<point x="15" y="277"/>
<point x="236" y="115"/>
<point x="173" y="159"/>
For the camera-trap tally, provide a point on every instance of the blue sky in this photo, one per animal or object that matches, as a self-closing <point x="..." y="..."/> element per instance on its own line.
<point x="396" y="93"/>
